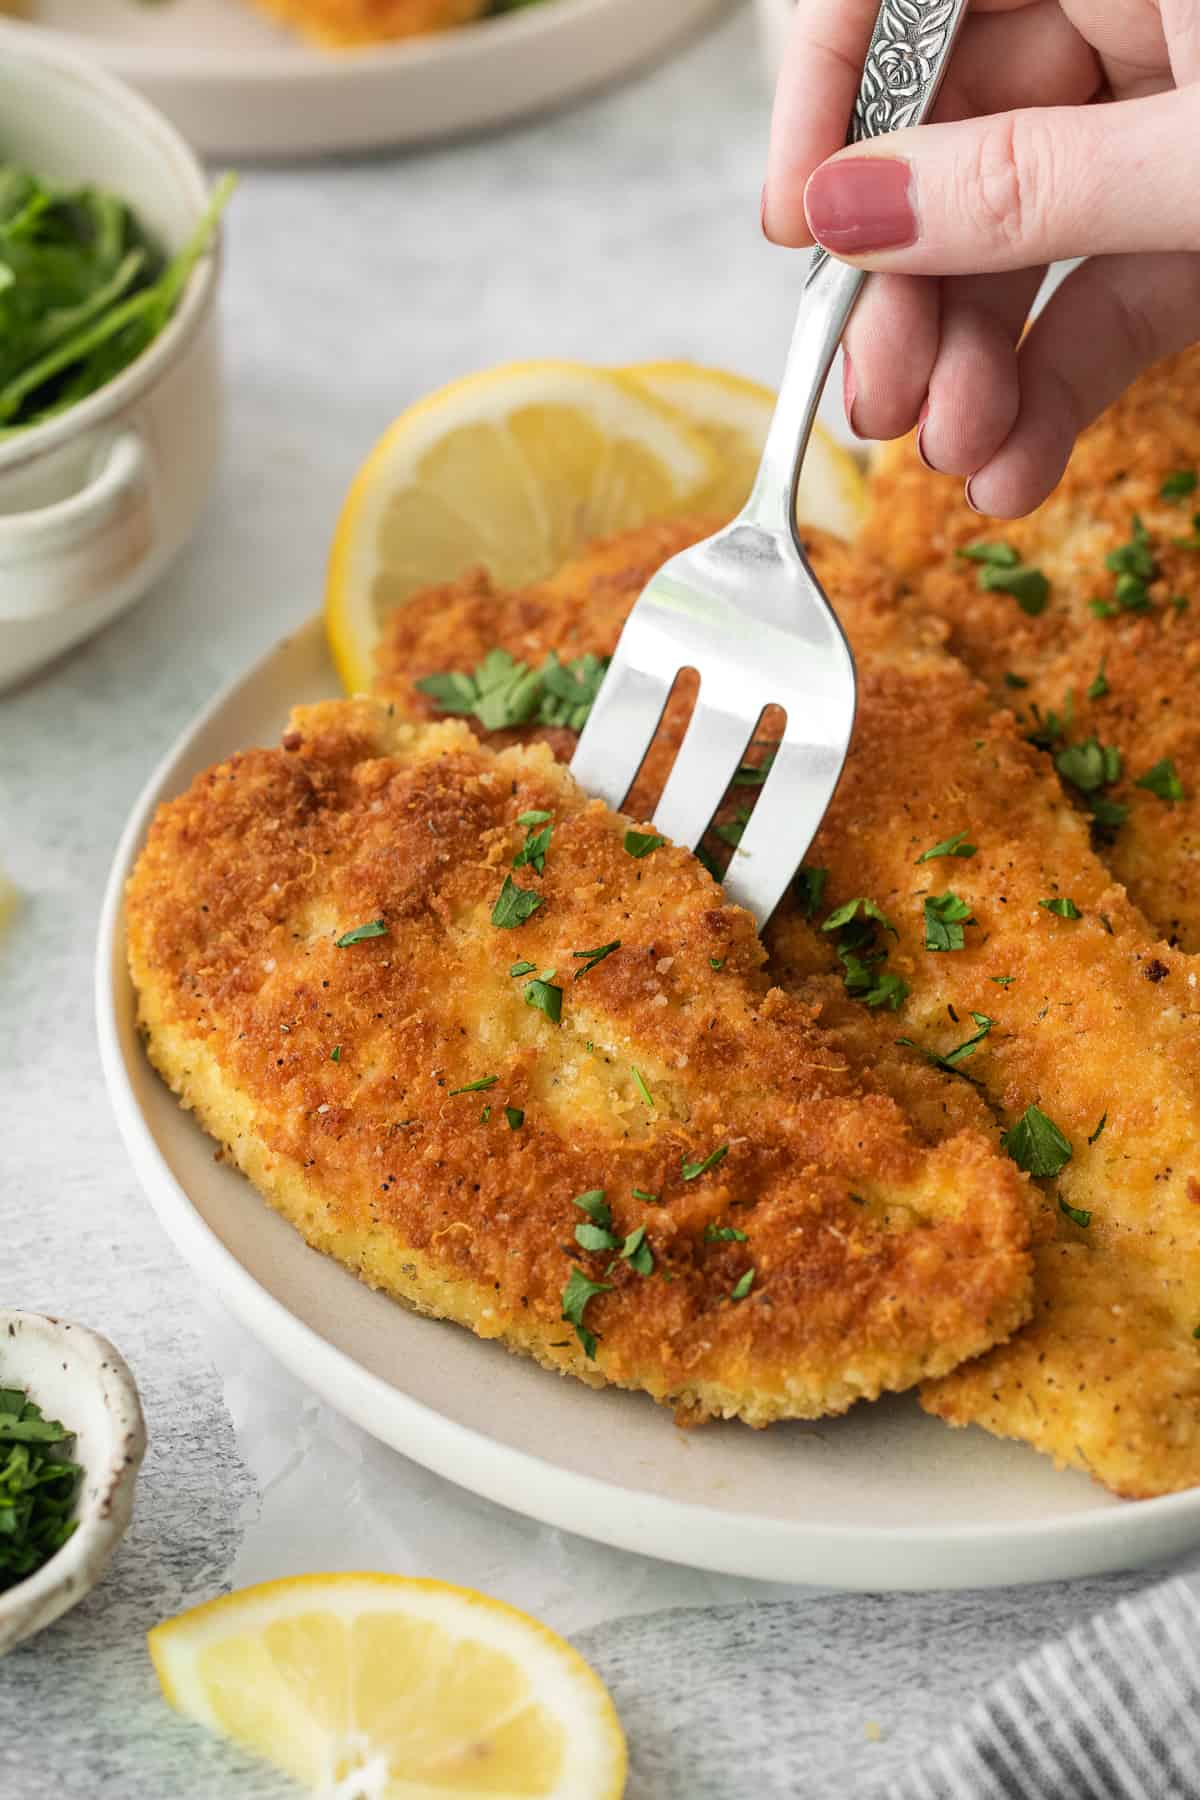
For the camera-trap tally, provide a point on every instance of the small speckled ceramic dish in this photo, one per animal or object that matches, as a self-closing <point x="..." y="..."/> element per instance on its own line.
<point x="76" y="1376"/>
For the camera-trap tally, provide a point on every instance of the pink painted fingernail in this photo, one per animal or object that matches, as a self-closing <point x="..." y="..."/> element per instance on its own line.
<point x="922" y="421"/>
<point x="849" y="393"/>
<point x="861" y="205"/>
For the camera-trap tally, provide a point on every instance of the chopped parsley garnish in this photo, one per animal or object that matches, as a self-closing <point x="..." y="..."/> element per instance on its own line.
<point x="723" y="1234"/>
<point x="514" y="905"/>
<point x="1179" y="601"/>
<point x="843" y="915"/>
<point x="533" y="818"/>
<point x="1100" y="1127"/>
<point x="732" y="831"/>
<point x="639" y="1082"/>
<point x="1036" y="1144"/>
<point x="594" y="956"/>
<point x="1077" y="1214"/>
<point x="475" y="1087"/>
<point x="594" y="1205"/>
<point x="748" y="775"/>
<point x="38" y="1486"/>
<point x="533" y="850"/>
<point x="993" y="555"/>
<point x="1163" y="780"/>
<point x="485" y="1113"/>
<point x="1028" y="587"/>
<point x="1004" y="980"/>
<point x="1134" y="567"/>
<point x="1099" y="684"/>
<point x="641" y="843"/>
<point x="951" y="846"/>
<point x="1193" y="542"/>
<point x="949" y="1062"/>
<point x="515" y="1117"/>
<point x="335" y="1055"/>
<point x="502" y="692"/>
<point x="372" y="929"/>
<point x="522" y="968"/>
<point x="860" y="953"/>
<point x="743" y="1285"/>
<point x="1089" y="765"/>
<point x="1178" y="485"/>
<point x="1014" y="681"/>
<point x="1063" y="907"/>
<point x="691" y="1170"/>
<point x="637" y="1252"/>
<point x="1050" y="728"/>
<point x="945" y="916"/>
<point x="716" y="962"/>
<point x="651" y="1199"/>
<point x="809" y="887"/>
<point x="548" y="999"/>
<point x="578" y="1291"/>
<point x="595" y="1237"/>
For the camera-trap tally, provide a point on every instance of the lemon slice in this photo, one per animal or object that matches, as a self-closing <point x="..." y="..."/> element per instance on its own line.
<point x="375" y="1687"/>
<point x="732" y="414"/>
<point x="512" y="469"/>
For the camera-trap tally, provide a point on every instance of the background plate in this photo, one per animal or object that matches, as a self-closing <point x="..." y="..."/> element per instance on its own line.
<point x="237" y="86"/>
<point x="885" y="1498"/>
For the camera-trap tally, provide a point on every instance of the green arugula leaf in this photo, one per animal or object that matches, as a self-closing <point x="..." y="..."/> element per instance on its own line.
<point x="372" y="929"/>
<point x="945" y="916"/>
<point x="1036" y="1144"/>
<point x="514" y="905"/>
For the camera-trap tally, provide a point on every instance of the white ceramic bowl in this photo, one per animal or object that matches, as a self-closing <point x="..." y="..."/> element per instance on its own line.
<point x="77" y="1377"/>
<point x="96" y="502"/>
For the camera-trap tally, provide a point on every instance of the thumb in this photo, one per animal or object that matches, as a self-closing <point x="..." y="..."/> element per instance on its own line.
<point x="1014" y="190"/>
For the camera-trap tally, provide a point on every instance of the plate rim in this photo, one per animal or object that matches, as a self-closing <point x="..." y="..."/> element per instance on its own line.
<point x="529" y="1484"/>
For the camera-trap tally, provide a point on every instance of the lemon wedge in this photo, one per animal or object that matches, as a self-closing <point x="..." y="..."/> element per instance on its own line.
<point x="376" y="1687"/>
<point x="512" y="469"/>
<point x="732" y="415"/>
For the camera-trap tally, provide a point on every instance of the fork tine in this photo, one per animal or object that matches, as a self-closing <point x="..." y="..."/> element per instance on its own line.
<point x="708" y="759"/>
<point x="790" y="806"/>
<point x="622" y="722"/>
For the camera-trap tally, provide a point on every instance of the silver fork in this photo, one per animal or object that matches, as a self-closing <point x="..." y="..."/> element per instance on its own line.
<point x="743" y="608"/>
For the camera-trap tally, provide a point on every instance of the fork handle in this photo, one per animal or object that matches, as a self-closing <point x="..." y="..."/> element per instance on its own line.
<point x="907" y="57"/>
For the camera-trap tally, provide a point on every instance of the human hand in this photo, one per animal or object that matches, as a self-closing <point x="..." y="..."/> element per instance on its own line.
<point x="961" y="217"/>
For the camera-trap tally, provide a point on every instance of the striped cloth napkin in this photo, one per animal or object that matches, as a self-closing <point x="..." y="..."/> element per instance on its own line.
<point x="1109" y="1712"/>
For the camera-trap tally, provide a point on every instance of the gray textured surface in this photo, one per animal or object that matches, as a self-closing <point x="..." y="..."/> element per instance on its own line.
<point x="626" y="229"/>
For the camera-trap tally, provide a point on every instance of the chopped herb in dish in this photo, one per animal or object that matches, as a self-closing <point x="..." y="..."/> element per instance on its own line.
<point x="576" y="1295"/>
<point x="691" y="1170"/>
<point x="951" y="846"/>
<point x="945" y="916"/>
<point x="637" y="1252"/>
<point x="642" y="1194"/>
<point x="1036" y="1144"/>
<point x="995" y="555"/>
<point x="592" y="957"/>
<point x="522" y="968"/>
<point x="1063" y="907"/>
<point x="515" y="1117"/>
<point x="38" y="1487"/>
<point x="1078" y="1215"/>
<point x="742" y="1286"/>
<point x="951" y="1059"/>
<point x="809" y="889"/>
<point x="372" y="929"/>
<point x="641" y="843"/>
<point x="1178" y="484"/>
<point x="514" y="905"/>
<point x="639" y="1082"/>
<point x="532" y="853"/>
<point x="723" y="1234"/>
<point x="548" y="999"/>
<point x="1100" y="1127"/>
<point x="502" y="692"/>
<point x="475" y="1087"/>
<point x="1163" y="780"/>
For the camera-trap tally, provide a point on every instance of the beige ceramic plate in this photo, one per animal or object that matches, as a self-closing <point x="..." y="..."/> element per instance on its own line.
<point x="237" y="86"/>
<point x="884" y="1498"/>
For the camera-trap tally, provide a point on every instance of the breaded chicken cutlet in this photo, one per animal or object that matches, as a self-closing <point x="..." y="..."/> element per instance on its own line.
<point x="478" y="1042"/>
<point x="343" y="24"/>
<point x="1085" y="1018"/>
<point x="1086" y="620"/>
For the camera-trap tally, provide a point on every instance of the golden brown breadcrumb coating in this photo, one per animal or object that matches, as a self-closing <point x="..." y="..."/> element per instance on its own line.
<point x="342" y="24"/>
<point x="1128" y="679"/>
<point x="1091" y="1018"/>
<point x="876" y="1259"/>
